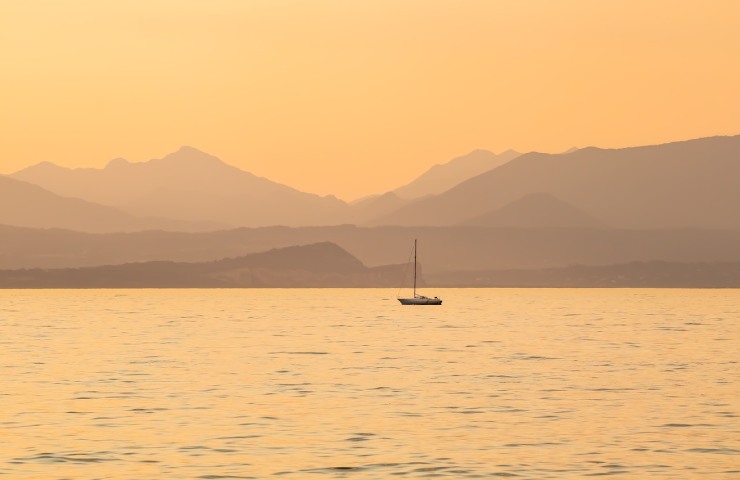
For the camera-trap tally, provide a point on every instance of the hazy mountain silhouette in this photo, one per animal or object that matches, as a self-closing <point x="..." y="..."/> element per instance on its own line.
<point x="26" y="205"/>
<point x="435" y="180"/>
<point x="368" y="208"/>
<point x="536" y="210"/>
<point x="194" y="186"/>
<point x="189" y="185"/>
<point x="327" y="265"/>
<point x="445" y="176"/>
<point x="683" y="184"/>
<point x="671" y="204"/>
<point x="441" y="249"/>
<point x="317" y="265"/>
<point x="654" y="274"/>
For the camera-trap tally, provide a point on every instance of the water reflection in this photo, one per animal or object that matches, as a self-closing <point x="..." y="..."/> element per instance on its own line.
<point x="244" y="384"/>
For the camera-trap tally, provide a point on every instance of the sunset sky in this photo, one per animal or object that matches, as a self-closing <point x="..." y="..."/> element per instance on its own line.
<point x="359" y="97"/>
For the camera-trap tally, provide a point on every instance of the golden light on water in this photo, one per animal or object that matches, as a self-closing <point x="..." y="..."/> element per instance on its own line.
<point x="249" y="383"/>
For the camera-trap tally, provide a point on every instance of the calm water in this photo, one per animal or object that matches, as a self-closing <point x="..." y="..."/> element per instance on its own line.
<point x="230" y="384"/>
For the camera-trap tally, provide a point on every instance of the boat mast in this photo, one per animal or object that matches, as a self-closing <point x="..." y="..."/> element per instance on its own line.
<point x="414" y="268"/>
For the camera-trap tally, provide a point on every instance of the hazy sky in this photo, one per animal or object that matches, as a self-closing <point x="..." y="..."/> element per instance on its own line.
<point x="354" y="97"/>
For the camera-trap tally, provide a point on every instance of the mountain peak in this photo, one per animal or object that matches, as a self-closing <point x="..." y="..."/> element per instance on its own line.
<point x="44" y="166"/>
<point x="442" y="177"/>
<point x="188" y="150"/>
<point x="191" y="156"/>
<point x="117" y="163"/>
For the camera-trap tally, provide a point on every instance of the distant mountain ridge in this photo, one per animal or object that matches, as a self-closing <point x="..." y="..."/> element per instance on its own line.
<point x="692" y="183"/>
<point x="325" y="264"/>
<point x="25" y="205"/>
<point x="653" y="274"/>
<point x="193" y="186"/>
<point x="442" y="177"/>
<point x="318" y="265"/>
<point x="689" y="184"/>
<point x="672" y="203"/>
<point x="121" y="182"/>
<point x="536" y="210"/>
<point x="437" y="179"/>
<point x="188" y="185"/>
<point x="444" y="249"/>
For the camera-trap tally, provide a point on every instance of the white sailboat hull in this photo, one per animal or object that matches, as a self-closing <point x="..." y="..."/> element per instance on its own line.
<point x="420" y="301"/>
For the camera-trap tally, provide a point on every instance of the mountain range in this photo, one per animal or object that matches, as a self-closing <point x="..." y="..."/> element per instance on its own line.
<point x="27" y="205"/>
<point x="441" y="249"/>
<point x="187" y="185"/>
<point x="673" y="204"/>
<point x="676" y="185"/>
<point x="536" y="210"/>
<point x="325" y="264"/>
<point x="442" y="177"/>
<point x="191" y="190"/>
<point x="317" y="265"/>
<point x="689" y="184"/>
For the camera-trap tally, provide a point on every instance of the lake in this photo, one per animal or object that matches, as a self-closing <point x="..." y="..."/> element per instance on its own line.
<point x="347" y="383"/>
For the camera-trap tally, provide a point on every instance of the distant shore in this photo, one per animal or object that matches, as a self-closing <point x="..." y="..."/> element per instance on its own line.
<point x="653" y="274"/>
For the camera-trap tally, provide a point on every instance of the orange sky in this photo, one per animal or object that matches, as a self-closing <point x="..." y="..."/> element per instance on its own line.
<point x="359" y="97"/>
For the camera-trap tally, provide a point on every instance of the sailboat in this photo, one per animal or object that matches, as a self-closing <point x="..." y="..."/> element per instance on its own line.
<point x="419" y="299"/>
